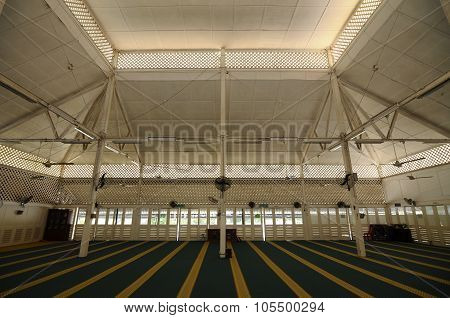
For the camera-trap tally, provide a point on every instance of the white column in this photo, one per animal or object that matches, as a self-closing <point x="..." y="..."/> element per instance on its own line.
<point x="87" y="223"/>
<point x="223" y="149"/>
<point x="361" y="248"/>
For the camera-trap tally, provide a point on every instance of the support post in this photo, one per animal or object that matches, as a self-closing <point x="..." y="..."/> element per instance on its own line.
<point x="222" y="207"/>
<point x="361" y="249"/>
<point x="87" y="223"/>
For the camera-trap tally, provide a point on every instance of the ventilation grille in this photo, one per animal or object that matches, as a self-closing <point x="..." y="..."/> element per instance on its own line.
<point x="354" y="26"/>
<point x="169" y="60"/>
<point x="197" y="192"/>
<point x="87" y="21"/>
<point x="276" y="59"/>
<point x="234" y="59"/>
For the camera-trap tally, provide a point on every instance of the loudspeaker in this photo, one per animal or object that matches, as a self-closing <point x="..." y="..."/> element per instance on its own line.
<point x="297" y="205"/>
<point x="19" y="212"/>
<point x="251" y="204"/>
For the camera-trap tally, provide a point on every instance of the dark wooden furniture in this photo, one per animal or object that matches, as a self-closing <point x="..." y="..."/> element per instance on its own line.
<point x="58" y="225"/>
<point x="214" y="235"/>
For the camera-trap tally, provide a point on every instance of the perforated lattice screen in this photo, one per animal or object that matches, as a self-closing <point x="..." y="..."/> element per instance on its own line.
<point x="197" y="192"/>
<point x="278" y="59"/>
<point x="433" y="157"/>
<point x="23" y="160"/>
<point x="169" y="60"/>
<point x="353" y="26"/>
<point x="234" y="59"/>
<point x="17" y="184"/>
<point x="87" y="21"/>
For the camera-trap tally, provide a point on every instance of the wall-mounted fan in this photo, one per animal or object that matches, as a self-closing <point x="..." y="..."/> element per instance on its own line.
<point x="49" y="164"/>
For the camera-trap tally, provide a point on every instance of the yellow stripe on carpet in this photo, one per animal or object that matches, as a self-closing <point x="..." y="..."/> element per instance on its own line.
<point x="334" y="279"/>
<point x="366" y="272"/>
<point x="298" y="291"/>
<point x="80" y="286"/>
<point x="127" y="292"/>
<point x="239" y="280"/>
<point x="189" y="283"/>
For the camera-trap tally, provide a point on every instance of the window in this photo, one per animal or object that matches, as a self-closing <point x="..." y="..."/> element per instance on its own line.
<point x="213" y="217"/>
<point x="278" y="217"/>
<point x="238" y="216"/>
<point x="163" y="217"/>
<point x="111" y="217"/>
<point x="154" y="219"/>
<point x="203" y="217"/>
<point x="101" y="217"/>
<point x="81" y="216"/>
<point x="119" y="216"/>
<point x="128" y="217"/>
<point x="298" y="217"/>
<point x="247" y="217"/>
<point x="144" y="217"/>
<point x="332" y="215"/>
<point x="256" y="217"/>
<point x="268" y="220"/>
<point x="173" y="217"/>
<point x="229" y="215"/>
<point x="184" y="216"/>
<point x="287" y="217"/>
<point x="194" y="217"/>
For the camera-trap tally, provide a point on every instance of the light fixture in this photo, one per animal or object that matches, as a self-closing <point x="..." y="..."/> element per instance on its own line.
<point x="84" y="133"/>
<point x="166" y="139"/>
<point x="335" y="147"/>
<point x="359" y="134"/>
<point x="112" y="149"/>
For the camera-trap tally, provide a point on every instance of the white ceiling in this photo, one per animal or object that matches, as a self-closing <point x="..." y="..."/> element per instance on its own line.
<point x="234" y="24"/>
<point x="36" y="48"/>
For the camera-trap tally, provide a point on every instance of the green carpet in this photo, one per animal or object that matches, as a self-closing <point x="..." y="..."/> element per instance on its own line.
<point x="215" y="278"/>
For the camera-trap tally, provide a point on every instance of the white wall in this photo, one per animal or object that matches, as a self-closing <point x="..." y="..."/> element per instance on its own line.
<point x="431" y="191"/>
<point x="25" y="228"/>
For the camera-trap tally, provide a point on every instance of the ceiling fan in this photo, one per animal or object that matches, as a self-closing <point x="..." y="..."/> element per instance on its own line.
<point x="411" y="177"/>
<point x="49" y="164"/>
<point x="400" y="164"/>
<point x="397" y="163"/>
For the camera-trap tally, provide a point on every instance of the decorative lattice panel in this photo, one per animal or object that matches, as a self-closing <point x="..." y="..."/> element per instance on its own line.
<point x="354" y="26"/>
<point x="276" y="59"/>
<point x="87" y="21"/>
<point x="263" y="171"/>
<point x="23" y="160"/>
<point x="181" y="171"/>
<point x="169" y="60"/>
<point x="198" y="192"/>
<point x="433" y="157"/>
<point x="17" y="184"/>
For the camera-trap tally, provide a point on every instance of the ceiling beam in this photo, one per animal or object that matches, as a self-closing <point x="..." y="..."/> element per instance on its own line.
<point x="2" y="4"/>
<point x="77" y="31"/>
<point x="19" y="121"/>
<point x="423" y="121"/>
<point x="30" y="97"/>
<point x="446" y="7"/>
<point x="392" y="124"/>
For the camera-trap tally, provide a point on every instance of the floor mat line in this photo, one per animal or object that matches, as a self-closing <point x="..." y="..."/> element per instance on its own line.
<point x="238" y="279"/>
<point x="189" y="283"/>
<point x="356" y="291"/>
<point x="396" y="267"/>
<point x="411" y="248"/>
<point x="12" y="248"/>
<point x="366" y="272"/>
<point x="299" y="291"/>
<point x="400" y="258"/>
<point x="44" y="255"/>
<point x="127" y="292"/>
<point x="65" y="271"/>
<point x="39" y="250"/>
<point x="80" y="286"/>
